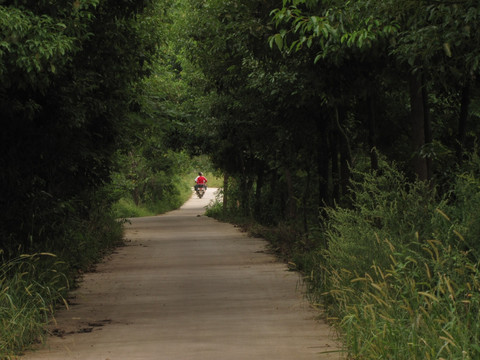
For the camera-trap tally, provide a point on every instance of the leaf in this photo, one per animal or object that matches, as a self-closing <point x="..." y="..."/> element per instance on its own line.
<point x="428" y="295"/>
<point x="47" y="254"/>
<point x="325" y="31"/>
<point x="279" y="41"/>
<point x="448" y="51"/>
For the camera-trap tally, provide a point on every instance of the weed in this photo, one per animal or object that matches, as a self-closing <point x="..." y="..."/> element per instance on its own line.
<point x="31" y="286"/>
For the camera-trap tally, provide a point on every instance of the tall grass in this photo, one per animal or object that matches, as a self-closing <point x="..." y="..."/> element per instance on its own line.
<point x="401" y="273"/>
<point x="30" y="288"/>
<point x="421" y="306"/>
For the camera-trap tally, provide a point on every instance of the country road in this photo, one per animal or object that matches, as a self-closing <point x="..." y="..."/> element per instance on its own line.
<point x="186" y="287"/>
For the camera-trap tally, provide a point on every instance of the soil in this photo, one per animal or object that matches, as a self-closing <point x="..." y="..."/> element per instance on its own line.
<point x="184" y="287"/>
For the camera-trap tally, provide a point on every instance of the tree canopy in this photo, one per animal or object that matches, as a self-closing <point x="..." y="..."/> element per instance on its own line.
<point x="67" y="72"/>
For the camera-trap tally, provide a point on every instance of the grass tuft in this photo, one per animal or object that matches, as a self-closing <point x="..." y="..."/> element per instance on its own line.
<point x="31" y="287"/>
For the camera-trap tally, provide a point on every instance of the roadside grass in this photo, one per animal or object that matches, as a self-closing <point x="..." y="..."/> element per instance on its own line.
<point x="215" y="210"/>
<point x="421" y="306"/>
<point x="400" y="277"/>
<point x="126" y="208"/>
<point x="176" y="198"/>
<point x="31" y="287"/>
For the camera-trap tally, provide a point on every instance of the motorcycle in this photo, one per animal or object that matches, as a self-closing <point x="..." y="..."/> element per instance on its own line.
<point x="200" y="190"/>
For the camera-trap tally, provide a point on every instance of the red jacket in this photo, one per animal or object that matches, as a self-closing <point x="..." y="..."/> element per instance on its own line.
<point x="201" y="180"/>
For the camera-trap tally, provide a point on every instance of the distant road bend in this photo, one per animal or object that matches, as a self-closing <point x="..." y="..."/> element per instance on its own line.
<point x="188" y="287"/>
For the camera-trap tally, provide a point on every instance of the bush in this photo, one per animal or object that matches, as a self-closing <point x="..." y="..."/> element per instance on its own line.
<point x="215" y="210"/>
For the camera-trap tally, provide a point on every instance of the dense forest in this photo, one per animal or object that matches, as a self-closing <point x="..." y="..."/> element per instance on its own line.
<point x="345" y="132"/>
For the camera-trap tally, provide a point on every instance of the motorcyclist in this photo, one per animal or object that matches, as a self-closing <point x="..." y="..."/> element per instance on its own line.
<point x="200" y="180"/>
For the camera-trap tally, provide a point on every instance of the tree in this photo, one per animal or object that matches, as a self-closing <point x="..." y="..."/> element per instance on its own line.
<point x="414" y="39"/>
<point x="67" y="71"/>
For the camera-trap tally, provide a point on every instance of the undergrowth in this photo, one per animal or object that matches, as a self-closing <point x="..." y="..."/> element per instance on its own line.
<point x="31" y="288"/>
<point x="398" y="273"/>
<point x="401" y="274"/>
<point x="171" y="199"/>
<point x="34" y="284"/>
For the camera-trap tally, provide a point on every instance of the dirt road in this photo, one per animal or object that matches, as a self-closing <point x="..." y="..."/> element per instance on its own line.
<point x="188" y="287"/>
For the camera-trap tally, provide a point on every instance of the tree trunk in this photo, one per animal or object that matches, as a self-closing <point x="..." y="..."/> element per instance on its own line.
<point x="427" y="129"/>
<point x="335" y="167"/>
<point x="323" y="163"/>
<point x="246" y="187"/>
<point x="275" y="202"/>
<point x="323" y="175"/>
<point x="225" y="193"/>
<point x="306" y="192"/>
<point x="462" y="121"/>
<point x="345" y="155"/>
<point x="417" y="119"/>
<point x="291" y="205"/>
<point x="136" y="196"/>
<point x="372" y="132"/>
<point x="258" y="195"/>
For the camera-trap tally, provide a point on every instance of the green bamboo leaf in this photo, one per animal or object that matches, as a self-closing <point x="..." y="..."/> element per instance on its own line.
<point x="309" y="42"/>
<point x="279" y="41"/>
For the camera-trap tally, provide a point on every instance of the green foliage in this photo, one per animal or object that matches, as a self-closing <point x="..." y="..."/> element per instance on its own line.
<point x="462" y="225"/>
<point x="397" y="271"/>
<point x="85" y="242"/>
<point x="126" y="208"/>
<point x="150" y="182"/>
<point x="215" y="210"/>
<point x="386" y="207"/>
<point x="106" y="102"/>
<point x="67" y="72"/>
<point x="340" y="87"/>
<point x="31" y="287"/>
<point x="31" y="44"/>
<point x="421" y="305"/>
<point x="341" y="26"/>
